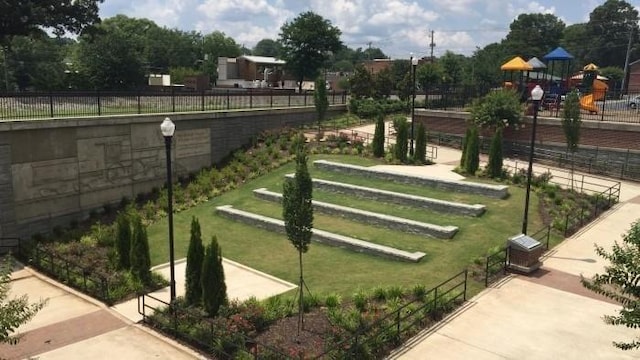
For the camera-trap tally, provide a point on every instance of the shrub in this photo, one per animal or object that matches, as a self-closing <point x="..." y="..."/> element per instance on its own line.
<point x="123" y="241"/>
<point x="465" y="139"/>
<point x="402" y="136"/>
<point x="497" y="109"/>
<point x="140" y="258"/>
<point x="333" y="301"/>
<point x="420" y="154"/>
<point x="378" y="137"/>
<point x="494" y="167"/>
<point x="195" y="257"/>
<point x="214" y="289"/>
<point x="472" y="154"/>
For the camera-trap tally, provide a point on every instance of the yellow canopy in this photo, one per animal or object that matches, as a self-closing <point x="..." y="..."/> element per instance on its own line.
<point x="516" y="64"/>
<point x="590" y="67"/>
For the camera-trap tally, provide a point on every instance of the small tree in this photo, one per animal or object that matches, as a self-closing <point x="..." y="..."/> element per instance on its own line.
<point x="297" y="211"/>
<point x="140" y="258"/>
<point x="620" y="282"/>
<point x="472" y="155"/>
<point x="402" y="138"/>
<point x="361" y="83"/>
<point x="498" y="109"/>
<point x="320" y="99"/>
<point x="123" y="240"/>
<point x="378" y="136"/>
<point x="195" y="257"/>
<point x="465" y="140"/>
<point x="494" y="167"/>
<point x="13" y="312"/>
<point x="214" y="289"/>
<point x="420" y="155"/>
<point x="571" y="125"/>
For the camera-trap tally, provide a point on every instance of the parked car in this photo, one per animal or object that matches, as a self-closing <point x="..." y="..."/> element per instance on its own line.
<point x="634" y="102"/>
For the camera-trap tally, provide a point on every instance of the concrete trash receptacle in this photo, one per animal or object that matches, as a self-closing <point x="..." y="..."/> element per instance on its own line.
<point x="524" y="253"/>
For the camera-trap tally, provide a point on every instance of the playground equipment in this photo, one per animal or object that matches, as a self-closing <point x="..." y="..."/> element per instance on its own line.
<point x="594" y="88"/>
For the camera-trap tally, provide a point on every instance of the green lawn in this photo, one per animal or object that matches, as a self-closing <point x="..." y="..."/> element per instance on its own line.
<point x="330" y="269"/>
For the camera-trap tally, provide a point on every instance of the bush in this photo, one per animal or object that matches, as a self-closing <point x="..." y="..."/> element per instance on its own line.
<point x="195" y="257"/>
<point x="497" y="109"/>
<point x="472" y="154"/>
<point x="140" y="258"/>
<point x="402" y="136"/>
<point x="420" y="154"/>
<point x="494" y="167"/>
<point x="378" y="137"/>
<point x="214" y="289"/>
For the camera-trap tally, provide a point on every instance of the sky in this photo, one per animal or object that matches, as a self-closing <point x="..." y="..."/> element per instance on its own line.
<point x="397" y="27"/>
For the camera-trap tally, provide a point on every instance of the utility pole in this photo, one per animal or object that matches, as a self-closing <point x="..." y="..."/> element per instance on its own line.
<point x="626" y="62"/>
<point x="432" y="45"/>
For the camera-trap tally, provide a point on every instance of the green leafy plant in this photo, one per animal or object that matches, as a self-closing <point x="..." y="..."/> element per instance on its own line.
<point x="195" y="258"/>
<point x="214" y="288"/>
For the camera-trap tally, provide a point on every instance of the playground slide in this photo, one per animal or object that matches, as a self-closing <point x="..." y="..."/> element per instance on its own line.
<point x="587" y="102"/>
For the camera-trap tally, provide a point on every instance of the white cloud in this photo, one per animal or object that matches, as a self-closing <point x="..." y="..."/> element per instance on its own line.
<point x="396" y="12"/>
<point x="164" y="13"/>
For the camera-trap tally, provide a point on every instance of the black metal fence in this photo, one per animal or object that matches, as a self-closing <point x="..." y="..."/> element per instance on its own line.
<point x="25" y="105"/>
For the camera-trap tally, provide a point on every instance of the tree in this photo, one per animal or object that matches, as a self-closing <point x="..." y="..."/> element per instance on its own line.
<point x="428" y="76"/>
<point x="534" y="35"/>
<point x="378" y="136"/>
<point x="361" y="83"/>
<point x="123" y="240"/>
<point x="485" y="66"/>
<point x="494" y="167"/>
<point x="195" y="258"/>
<point x="402" y="138"/>
<point x="608" y="30"/>
<point x="619" y="282"/>
<point x="498" y="109"/>
<point x="267" y="47"/>
<point x="614" y="74"/>
<point x="297" y="211"/>
<point x="420" y="154"/>
<point x="30" y="18"/>
<point x="307" y="42"/>
<point x="571" y="125"/>
<point x="140" y="258"/>
<point x="452" y="66"/>
<point x="320" y="99"/>
<point x="16" y="311"/>
<point x="574" y="40"/>
<point x="214" y="288"/>
<point x="472" y="153"/>
<point x="383" y="84"/>
<point x="36" y="63"/>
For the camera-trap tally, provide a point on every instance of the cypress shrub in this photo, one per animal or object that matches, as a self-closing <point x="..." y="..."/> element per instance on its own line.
<point x="214" y="289"/>
<point x="466" y="137"/>
<point x="472" y="154"/>
<point x="378" y="137"/>
<point x="195" y="257"/>
<point x="123" y="241"/>
<point x="494" y="167"/>
<point x="140" y="257"/>
<point x="420" y="154"/>
<point x="402" y="137"/>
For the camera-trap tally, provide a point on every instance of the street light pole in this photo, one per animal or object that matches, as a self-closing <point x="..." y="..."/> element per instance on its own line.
<point x="414" y="63"/>
<point x="168" y="128"/>
<point x="536" y="96"/>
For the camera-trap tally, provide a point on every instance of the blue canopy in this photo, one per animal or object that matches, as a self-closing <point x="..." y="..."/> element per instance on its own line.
<point x="558" y="54"/>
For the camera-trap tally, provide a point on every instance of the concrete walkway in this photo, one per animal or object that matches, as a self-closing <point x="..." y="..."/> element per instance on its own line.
<point x="75" y="326"/>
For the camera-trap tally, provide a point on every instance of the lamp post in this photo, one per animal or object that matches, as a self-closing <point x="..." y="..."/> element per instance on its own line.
<point x="414" y="63"/>
<point x="536" y="96"/>
<point x="168" y="128"/>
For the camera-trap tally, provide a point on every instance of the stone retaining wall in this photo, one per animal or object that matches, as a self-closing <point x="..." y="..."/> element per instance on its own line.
<point x="321" y="236"/>
<point x="449" y="207"/>
<point x="496" y="191"/>
<point x="372" y="218"/>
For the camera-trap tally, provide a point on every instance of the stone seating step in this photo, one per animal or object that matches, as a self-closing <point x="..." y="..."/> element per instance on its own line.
<point x="372" y="218"/>
<point x="321" y="236"/>
<point x="496" y="191"/>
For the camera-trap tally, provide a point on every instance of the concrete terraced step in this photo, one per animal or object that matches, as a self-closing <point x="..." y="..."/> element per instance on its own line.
<point x="496" y="191"/>
<point x="372" y="218"/>
<point x="449" y="207"/>
<point x="321" y="236"/>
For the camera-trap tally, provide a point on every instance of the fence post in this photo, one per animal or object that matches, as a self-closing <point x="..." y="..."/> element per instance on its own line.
<point x="270" y="98"/>
<point x="548" y="235"/>
<point x="486" y="272"/>
<point x="173" y="99"/>
<point x="202" y="100"/>
<point x="305" y="98"/>
<point x="228" y="100"/>
<point x="99" y="103"/>
<point x="333" y="97"/>
<point x="464" y="294"/>
<point x="51" y="103"/>
<point x="138" y="96"/>
<point x="250" y="98"/>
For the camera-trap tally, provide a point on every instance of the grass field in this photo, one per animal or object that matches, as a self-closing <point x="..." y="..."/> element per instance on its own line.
<point x="330" y="269"/>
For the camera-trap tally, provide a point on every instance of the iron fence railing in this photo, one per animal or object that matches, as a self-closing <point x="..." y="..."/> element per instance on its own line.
<point x="25" y="105"/>
<point x="200" y="332"/>
<point x="402" y="322"/>
<point x="496" y="264"/>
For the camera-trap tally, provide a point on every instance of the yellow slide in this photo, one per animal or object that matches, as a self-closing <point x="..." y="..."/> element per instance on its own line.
<point x="587" y="102"/>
